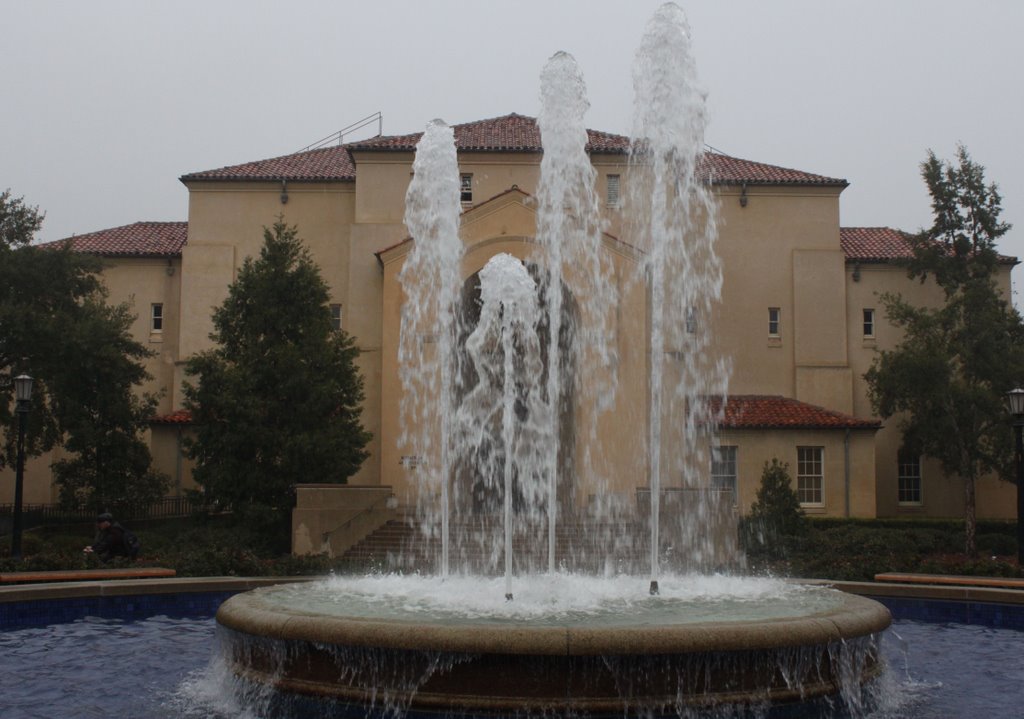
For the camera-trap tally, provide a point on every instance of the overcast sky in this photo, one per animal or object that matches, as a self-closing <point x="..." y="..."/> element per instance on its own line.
<point x="105" y="104"/>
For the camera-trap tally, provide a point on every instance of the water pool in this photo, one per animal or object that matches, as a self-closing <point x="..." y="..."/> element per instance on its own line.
<point x="163" y="666"/>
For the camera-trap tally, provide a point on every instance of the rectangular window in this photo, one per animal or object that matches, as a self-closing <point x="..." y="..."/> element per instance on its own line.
<point x="908" y="480"/>
<point x="774" y="321"/>
<point x="613" y="190"/>
<point x="336" y="316"/>
<point x="466" y="187"/>
<point x="723" y="469"/>
<point x="869" y="323"/>
<point x="691" y="320"/>
<point x="157" y="317"/>
<point x="810" y="475"/>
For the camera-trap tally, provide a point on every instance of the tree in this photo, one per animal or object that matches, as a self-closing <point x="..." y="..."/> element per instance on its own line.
<point x="776" y="512"/>
<point x="277" y="401"/>
<point x="947" y="377"/>
<point x="56" y="326"/>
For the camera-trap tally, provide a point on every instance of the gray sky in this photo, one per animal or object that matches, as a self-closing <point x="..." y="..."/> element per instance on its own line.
<point x="107" y="103"/>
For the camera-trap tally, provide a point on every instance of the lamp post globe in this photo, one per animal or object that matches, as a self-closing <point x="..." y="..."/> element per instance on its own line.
<point x="1015" y="403"/>
<point x="23" y="399"/>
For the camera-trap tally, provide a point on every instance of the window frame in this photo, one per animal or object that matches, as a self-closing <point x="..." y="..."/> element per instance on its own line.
<point x="902" y="462"/>
<point x="806" y="475"/>
<point x="156" y="317"/>
<point x="613" y="190"/>
<point x="336" y="316"/>
<point x="774" y="322"/>
<point x="466" y="188"/>
<point x="725" y="456"/>
<point x="868" y="322"/>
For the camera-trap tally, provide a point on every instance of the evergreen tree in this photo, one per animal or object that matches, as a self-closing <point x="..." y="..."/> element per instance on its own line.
<point x="947" y="377"/>
<point x="776" y="512"/>
<point x="277" y="401"/>
<point x="56" y="326"/>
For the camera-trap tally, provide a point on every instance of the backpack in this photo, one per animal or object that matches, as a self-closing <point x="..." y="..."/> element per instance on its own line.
<point x="132" y="545"/>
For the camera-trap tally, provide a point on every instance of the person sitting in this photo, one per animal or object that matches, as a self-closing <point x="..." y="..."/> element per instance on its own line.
<point x="110" y="539"/>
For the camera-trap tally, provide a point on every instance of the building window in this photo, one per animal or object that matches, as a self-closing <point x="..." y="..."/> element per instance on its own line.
<point x="869" y="323"/>
<point x="613" y="190"/>
<point x="466" y="187"/>
<point x="157" y="317"/>
<point x="908" y="480"/>
<point x="774" y="321"/>
<point x="336" y="316"/>
<point x="723" y="469"/>
<point x="810" y="476"/>
<point x="691" y="320"/>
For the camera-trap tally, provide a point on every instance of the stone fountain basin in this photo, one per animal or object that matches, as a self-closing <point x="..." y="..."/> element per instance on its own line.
<point x="565" y="663"/>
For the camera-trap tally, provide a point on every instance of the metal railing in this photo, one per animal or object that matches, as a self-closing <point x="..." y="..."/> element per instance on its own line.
<point x="338" y="138"/>
<point x="35" y="515"/>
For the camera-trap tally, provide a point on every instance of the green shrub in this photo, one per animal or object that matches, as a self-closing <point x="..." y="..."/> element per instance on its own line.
<point x="776" y="517"/>
<point x="997" y="544"/>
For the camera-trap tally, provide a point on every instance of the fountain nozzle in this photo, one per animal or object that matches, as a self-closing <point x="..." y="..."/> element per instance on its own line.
<point x="654" y="588"/>
<point x="508" y="596"/>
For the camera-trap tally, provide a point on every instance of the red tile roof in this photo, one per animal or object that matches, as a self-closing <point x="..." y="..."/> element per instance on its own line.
<point x="140" y="239"/>
<point x="181" y="416"/>
<point x="326" y="164"/>
<point x="874" y="244"/>
<point x="509" y="133"/>
<point x="727" y="170"/>
<point x="751" y="411"/>
<point x="883" y="244"/>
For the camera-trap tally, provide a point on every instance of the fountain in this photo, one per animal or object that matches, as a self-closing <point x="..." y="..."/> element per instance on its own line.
<point x="526" y="614"/>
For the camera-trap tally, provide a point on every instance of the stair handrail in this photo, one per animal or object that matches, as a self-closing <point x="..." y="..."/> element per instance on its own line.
<point x="361" y="513"/>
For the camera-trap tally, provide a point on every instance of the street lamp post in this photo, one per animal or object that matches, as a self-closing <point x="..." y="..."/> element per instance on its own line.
<point x="23" y="396"/>
<point x="1015" y="400"/>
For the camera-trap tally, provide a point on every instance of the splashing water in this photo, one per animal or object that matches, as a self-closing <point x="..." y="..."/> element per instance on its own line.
<point x="467" y="419"/>
<point x="671" y="213"/>
<point x="506" y="402"/>
<point x="431" y="281"/>
<point x="569" y="233"/>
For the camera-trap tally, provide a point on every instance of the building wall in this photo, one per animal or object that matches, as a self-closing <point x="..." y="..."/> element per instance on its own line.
<point x="780" y="248"/>
<point x="941" y="496"/>
<point x="849" y="459"/>
<point x="142" y="282"/>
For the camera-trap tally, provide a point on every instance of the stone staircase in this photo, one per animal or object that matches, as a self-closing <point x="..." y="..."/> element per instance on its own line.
<point x="478" y="546"/>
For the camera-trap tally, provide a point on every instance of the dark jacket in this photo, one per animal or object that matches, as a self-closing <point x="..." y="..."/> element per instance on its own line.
<point x="109" y="543"/>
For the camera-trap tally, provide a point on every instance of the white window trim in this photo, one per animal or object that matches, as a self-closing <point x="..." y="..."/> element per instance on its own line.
<point x="778" y="322"/>
<point x="864" y="322"/>
<point x="920" y="484"/>
<point x="735" y="476"/>
<point x="154" y="317"/>
<point x="613" y="190"/>
<point x="821" y="477"/>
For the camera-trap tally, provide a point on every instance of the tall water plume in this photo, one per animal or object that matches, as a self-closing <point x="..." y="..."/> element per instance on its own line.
<point x="502" y="418"/>
<point x="432" y="283"/>
<point x="579" y="296"/>
<point x="672" y="214"/>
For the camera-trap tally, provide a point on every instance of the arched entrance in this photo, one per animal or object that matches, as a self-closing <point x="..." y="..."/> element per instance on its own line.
<point x="477" y="489"/>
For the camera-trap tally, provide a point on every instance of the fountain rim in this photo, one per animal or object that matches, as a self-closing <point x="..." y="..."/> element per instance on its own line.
<point x="854" y="616"/>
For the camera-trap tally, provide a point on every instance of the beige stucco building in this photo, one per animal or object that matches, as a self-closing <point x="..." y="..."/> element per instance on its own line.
<point x="800" y="315"/>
